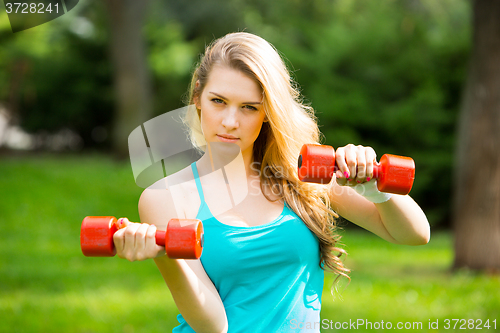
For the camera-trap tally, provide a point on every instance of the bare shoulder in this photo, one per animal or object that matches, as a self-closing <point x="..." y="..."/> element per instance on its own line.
<point x="167" y="198"/>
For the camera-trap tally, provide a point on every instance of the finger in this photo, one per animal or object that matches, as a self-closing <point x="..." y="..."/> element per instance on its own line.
<point x="119" y="240"/>
<point x="343" y="170"/>
<point x="122" y="222"/>
<point x="337" y="172"/>
<point x="140" y="237"/>
<point x="150" y="238"/>
<point x="130" y="231"/>
<point x="361" y="165"/>
<point x="351" y="159"/>
<point x="371" y="158"/>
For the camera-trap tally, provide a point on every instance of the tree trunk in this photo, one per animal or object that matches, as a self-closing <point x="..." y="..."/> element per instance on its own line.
<point x="477" y="178"/>
<point x="132" y="81"/>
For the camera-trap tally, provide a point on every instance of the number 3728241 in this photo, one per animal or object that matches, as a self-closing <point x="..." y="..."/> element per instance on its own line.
<point x="469" y="324"/>
<point x="31" y="8"/>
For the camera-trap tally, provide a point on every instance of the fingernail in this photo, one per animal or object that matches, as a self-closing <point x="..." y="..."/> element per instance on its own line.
<point x="346" y="174"/>
<point x="368" y="179"/>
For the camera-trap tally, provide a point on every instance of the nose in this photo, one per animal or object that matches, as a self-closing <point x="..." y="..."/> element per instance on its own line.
<point x="230" y="117"/>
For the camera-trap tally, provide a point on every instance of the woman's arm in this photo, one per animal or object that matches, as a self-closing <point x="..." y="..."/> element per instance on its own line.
<point x="399" y="220"/>
<point x="194" y="294"/>
<point x="192" y="290"/>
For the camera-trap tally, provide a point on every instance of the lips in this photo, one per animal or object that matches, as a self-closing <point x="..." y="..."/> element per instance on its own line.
<point x="227" y="138"/>
<point x="230" y="137"/>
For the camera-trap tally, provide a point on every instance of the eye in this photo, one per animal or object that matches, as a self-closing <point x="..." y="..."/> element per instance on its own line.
<point x="217" y="100"/>
<point x="250" y="107"/>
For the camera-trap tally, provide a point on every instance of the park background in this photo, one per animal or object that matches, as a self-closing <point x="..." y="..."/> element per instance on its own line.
<point x="394" y="75"/>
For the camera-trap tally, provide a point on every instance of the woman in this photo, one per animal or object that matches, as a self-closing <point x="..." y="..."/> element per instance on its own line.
<point x="262" y="265"/>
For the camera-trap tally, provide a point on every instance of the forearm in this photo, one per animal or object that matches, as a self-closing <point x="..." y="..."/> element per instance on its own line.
<point x="196" y="299"/>
<point x="404" y="220"/>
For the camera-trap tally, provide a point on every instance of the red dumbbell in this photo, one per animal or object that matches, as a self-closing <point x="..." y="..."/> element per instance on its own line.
<point x="183" y="238"/>
<point x="394" y="174"/>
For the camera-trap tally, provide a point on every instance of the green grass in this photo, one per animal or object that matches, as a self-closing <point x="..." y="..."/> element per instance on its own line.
<point x="397" y="283"/>
<point x="47" y="285"/>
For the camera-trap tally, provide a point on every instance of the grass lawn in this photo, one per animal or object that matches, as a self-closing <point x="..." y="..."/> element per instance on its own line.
<point x="47" y="285"/>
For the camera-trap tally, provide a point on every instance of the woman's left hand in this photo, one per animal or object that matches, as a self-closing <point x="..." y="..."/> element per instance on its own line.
<point x="355" y="164"/>
<point x="400" y="221"/>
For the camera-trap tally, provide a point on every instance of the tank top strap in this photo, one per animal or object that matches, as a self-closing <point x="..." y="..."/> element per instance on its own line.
<point x="198" y="183"/>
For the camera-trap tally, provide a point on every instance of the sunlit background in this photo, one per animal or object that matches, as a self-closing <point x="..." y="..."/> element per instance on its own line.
<point x="387" y="74"/>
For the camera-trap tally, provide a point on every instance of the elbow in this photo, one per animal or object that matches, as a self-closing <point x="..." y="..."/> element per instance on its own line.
<point x="425" y="236"/>
<point x="421" y="238"/>
<point x="421" y="232"/>
<point x="416" y="238"/>
<point x="210" y="326"/>
<point x="223" y="327"/>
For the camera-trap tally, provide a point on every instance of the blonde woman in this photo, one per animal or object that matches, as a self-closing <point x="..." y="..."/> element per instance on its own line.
<point x="263" y="261"/>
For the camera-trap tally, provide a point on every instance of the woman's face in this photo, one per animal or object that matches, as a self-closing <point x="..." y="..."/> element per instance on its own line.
<point x="231" y="108"/>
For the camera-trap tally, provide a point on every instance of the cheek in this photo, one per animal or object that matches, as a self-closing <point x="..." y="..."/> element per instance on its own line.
<point x="254" y="129"/>
<point x="209" y="123"/>
<point x="259" y="122"/>
<point x="258" y="127"/>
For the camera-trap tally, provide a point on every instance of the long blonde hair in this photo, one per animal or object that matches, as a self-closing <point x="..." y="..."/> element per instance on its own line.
<point x="290" y="125"/>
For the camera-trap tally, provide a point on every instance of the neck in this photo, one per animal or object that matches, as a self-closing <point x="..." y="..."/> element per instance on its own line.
<point x="229" y="158"/>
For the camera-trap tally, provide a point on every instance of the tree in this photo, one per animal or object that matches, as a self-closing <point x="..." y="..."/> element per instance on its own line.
<point x="477" y="178"/>
<point x="132" y="81"/>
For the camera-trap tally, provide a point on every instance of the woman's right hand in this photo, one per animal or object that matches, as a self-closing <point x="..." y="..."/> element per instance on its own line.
<point x="136" y="241"/>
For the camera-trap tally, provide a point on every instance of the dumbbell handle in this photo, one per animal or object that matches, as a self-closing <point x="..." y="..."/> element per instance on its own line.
<point x="96" y="237"/>
<point x="328" y="172"/>
<point x="160" y="235"/>
<point x="394" y="174"/>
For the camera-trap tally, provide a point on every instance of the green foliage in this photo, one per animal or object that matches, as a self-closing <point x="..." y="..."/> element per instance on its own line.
<point x="47" y="285"/>
<point x="171" y="58"/>
<point x="62" y="93"/>
<point x="60" y="77"/>
<point x="386" y="74"/>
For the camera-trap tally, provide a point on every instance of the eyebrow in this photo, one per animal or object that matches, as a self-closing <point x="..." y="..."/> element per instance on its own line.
<point x="226" y="98"/>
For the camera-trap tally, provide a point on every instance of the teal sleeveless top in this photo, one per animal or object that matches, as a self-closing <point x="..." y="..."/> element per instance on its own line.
<point x="268" y="276"/>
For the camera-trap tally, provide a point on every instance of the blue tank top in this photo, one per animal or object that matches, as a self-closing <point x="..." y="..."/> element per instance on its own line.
<point x="268" y="276"/>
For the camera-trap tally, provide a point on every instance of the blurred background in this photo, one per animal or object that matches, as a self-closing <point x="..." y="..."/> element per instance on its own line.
<point x="419" y="78"/>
